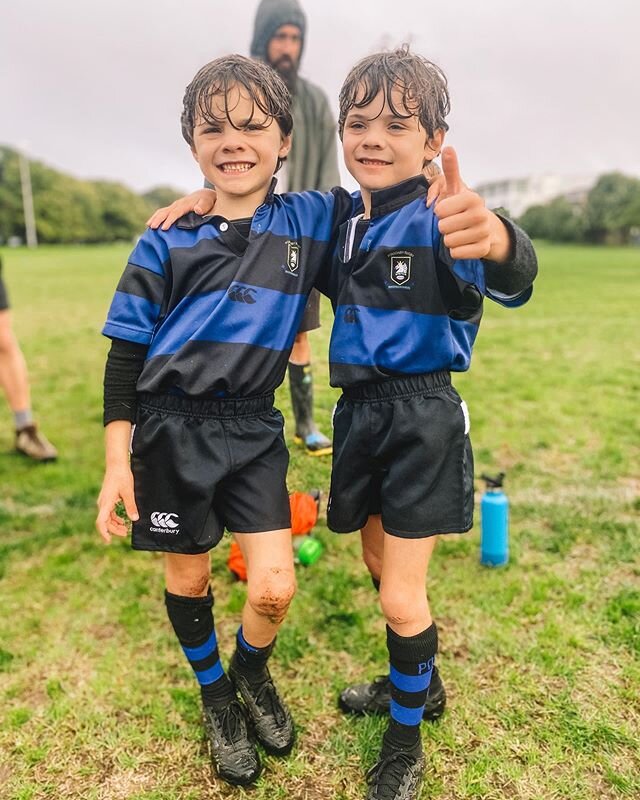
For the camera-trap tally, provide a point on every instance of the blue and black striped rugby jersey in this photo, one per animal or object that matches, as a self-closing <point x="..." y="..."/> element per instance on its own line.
<point x="402" y="305"/>
<point x="220" y="311"/>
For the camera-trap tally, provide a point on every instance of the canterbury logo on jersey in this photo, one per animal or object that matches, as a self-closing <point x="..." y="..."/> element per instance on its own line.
<point x="242" y="294"/>
<point x="164" y="522"/>
<point x="351" y="315"/>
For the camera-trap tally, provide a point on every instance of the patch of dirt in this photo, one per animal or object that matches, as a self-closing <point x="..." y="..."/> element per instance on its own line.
<point x="5" y="774"/>
<point x="122" y="784"/>
<point x="452" y="639"/>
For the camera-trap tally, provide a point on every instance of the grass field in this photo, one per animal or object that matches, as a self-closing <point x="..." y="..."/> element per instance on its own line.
<point x="540" y="659"/>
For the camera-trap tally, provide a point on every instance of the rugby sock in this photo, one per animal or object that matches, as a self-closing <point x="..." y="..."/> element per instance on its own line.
<point x="192" y="621"/>
<point x="249" y="661"/>
<point x="411" y="663"/>
<point x="23" y="418"/>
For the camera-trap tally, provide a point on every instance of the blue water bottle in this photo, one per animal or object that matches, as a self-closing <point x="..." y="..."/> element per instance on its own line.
<point x="494" y="523"/>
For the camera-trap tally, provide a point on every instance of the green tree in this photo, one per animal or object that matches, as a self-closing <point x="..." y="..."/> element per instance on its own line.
<point x="160" y="196"/>
<point x="557" y="221"/>
<point x="612" y="209"/>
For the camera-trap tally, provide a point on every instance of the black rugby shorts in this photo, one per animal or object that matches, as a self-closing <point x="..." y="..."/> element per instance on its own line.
<point x="401" y="449"/>
<point x="201" y="466"/>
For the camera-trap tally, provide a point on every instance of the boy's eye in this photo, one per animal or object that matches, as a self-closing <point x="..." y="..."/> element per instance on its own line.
<point x="212" y="129"/>
<point x="356" y="126"/>
<point x="254" y="126"/>
<point x="397" y="126"/>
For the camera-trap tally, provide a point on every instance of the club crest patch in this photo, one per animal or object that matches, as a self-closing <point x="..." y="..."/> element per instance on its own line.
<point x="293" y="257"/>
<point x="400" y="267"/>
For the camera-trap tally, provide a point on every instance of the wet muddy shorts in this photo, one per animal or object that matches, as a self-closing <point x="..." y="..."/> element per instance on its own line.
<point x="201" y="466"/>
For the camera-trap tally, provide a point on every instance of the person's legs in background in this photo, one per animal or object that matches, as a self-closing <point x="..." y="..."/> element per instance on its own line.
<point x="14" y="381"/>
<point x="301" y="383"/>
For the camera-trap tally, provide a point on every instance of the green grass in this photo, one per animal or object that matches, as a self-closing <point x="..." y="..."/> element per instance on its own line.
<point x="540" y="658"/>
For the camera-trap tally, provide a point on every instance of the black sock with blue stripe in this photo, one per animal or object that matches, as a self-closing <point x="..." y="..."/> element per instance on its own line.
<point x="411" y="664"/>
<point x="192" y="621"/>
<point x="251" y="661"/>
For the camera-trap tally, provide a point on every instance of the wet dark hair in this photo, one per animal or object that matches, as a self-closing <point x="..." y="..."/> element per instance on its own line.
<point x="262" y="83"/>
<point x="423" y="85"/>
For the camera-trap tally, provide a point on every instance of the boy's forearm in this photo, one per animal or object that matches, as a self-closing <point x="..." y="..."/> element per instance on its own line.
<point x="116" y="439"/>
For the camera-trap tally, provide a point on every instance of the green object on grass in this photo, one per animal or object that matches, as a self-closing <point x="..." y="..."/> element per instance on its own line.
<point x="310" y="551"/>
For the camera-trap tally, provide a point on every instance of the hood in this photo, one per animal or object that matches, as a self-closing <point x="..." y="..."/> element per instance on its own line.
<point x="271" y="14"/>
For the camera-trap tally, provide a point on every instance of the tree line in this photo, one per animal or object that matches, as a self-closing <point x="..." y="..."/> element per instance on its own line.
<point x="69" y="210"/>
<point x="610" y="215"/>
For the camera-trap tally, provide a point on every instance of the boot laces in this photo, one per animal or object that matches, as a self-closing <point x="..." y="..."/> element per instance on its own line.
<point x="389" y="773"/>
<point x="267" y="698"/>
<point x="232" y="722"/>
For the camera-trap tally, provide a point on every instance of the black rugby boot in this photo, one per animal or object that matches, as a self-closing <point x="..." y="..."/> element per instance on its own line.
<point x="267" y="711"/>
<point x="233" y="752"/>
<point x="397" y="775"/>
<point x="374" y="698"/>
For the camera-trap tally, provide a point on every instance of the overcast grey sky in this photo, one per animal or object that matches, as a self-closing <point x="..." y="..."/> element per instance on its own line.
<point x="95" y="88"/>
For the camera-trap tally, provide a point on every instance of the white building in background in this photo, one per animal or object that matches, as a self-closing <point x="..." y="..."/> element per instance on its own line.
<point x="516" y="195"/>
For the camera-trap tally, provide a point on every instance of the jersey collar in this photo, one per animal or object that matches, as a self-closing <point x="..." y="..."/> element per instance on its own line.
<point x="384" y="201"/>
<point x="191" y="221"/>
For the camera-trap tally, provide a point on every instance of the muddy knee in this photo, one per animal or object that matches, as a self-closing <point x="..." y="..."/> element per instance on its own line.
<point x="270" y="594"/>
<point x="187" y="575"/>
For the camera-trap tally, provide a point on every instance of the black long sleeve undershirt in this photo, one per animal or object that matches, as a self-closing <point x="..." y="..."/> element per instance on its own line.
<point x="122" y="370"/>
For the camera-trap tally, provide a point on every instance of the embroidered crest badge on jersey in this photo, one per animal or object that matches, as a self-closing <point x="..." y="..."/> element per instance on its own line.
<point x="293" y="257"/>
<point x="400" y="267"/>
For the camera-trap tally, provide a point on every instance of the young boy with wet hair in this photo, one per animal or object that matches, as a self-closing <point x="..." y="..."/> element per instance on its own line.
<point x="202" y="323"/>
<point x="407" y="288"/>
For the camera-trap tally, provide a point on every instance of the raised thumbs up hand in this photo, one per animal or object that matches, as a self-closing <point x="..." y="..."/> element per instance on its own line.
<point x="468" y="227"/>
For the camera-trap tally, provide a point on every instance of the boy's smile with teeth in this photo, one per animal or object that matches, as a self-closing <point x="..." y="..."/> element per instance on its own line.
<point x="373" y="162"/>
<point x="236" y="166"/>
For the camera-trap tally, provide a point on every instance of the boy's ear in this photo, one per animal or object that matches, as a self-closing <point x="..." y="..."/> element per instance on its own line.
<point x="433" y="145"/>
<point x="285" y="146"/>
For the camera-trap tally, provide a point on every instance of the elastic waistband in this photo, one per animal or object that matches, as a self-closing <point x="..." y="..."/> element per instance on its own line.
<point x="397" y="388"/>
<point x="209" y="408"/>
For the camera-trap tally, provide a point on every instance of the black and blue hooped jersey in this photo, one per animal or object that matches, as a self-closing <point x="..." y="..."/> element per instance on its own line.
<point x="402" y="305"/>
<point x="220" y="311"/>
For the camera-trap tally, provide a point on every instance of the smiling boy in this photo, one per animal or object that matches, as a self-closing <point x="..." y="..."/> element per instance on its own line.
<point x="407" y="287"/>
<point x="202" y="324"/>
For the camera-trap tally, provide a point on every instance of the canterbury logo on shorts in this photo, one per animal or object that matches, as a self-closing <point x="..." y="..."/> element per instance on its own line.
<point x="164" y="522"/>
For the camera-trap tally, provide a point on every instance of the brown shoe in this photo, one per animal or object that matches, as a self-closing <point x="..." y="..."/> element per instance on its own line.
<point x="33" y="444"/>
